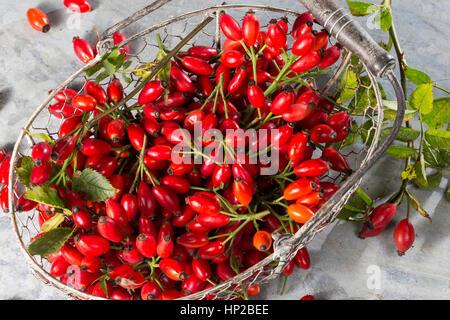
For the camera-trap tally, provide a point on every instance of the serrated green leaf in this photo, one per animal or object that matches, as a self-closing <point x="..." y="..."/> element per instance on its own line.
<point x="438" y="138"/>
<point x="416" y="76"/>
<point x="433" y="181"/>
<point x="404" y="135"/>
<point x="52" y="223"/>
<point x="422" y="98"/>
<point x="94" y="185"/>
<point x="400" y="152"/>
<point x="45" y="195"/>
<point x="49" y="242"/>
<point x="384" y="19"/>
<point x="390" y="111"/>
<point x="24" y="171"/>
<point x="440" y="115"/>
<point x="358" y="8"/>
<point x="432" y="156"/>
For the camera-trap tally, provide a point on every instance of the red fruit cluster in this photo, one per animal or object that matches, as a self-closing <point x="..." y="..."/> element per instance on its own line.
<point x="176" y="228"/>
<point x="380" y="217"/>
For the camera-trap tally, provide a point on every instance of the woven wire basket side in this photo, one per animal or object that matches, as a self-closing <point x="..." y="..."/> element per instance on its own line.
<point x="144" y="48"/>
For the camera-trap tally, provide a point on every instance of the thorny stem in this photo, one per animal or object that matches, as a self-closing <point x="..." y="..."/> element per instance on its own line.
<point x="403" y="66"/>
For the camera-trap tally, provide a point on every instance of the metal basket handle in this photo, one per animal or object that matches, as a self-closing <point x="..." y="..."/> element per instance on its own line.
<point x="340" y="24"/>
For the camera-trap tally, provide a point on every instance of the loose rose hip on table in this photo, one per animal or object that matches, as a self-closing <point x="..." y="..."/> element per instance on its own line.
<point x="38" y="20"/>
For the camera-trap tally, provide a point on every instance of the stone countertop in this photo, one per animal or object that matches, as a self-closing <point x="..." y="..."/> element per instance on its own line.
<point x="342" y="266"/>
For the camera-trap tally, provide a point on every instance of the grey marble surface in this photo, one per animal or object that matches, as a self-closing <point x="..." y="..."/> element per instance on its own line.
<point x="343" y="267"/>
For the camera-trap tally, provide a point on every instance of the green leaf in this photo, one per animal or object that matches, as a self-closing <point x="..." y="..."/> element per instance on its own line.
<point x="400" y="152"/>
<point x="416" y="204"/>
<point x="404" y="135"/>
<point x="56" y="169"/>
<point x="422" y="98"/>
<point x="52" y="223"/>
<point x="438" y="138"/>
<point x="102" y="76"/>
<point x="163" y="73"/>
<point x="346" y="214"/>
<point x="421" y="176"/>
<point x="126" y="64"/>
<point x="416" y="76"/>
<point x="432" y="156"/>
<point x="359" y="201"/>
<point x="41" y="136"/>
<point x="109" y="67"/>
<point x="45" y="195"/>
<point x="126" y="78"/>
<point x="351" y="139"/>
<point x="367" y="132"/>
<point x="358" y="8"/>
<point x="24" y="171"/>
<point x="49" y="242"/>
<point x="94" y="185"/>
<point x="364" y="196"/>
<point x="384" y="46"/>
<point x="104" y="286"/>
<point x="117" y="61"/>
<point x="433" y="181"/>
<point x="384" y="19"/>
<point x="112" y="55"/>
<point x="348" y="85"/>
<point x="93" y="70"/>
<point x="390" y="111"/>
<point x="440" y="115"/>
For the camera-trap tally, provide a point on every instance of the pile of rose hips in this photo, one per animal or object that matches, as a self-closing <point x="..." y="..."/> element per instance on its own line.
<point x="173" y="229"/>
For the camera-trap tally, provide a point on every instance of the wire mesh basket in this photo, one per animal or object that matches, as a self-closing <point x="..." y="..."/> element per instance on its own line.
<point x="355" y="41"/>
